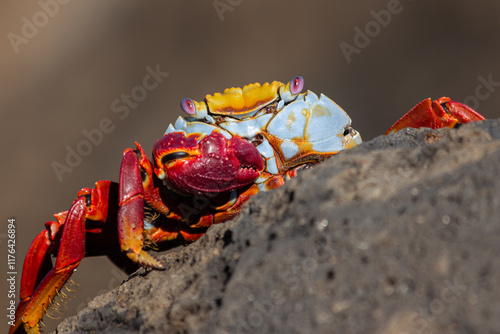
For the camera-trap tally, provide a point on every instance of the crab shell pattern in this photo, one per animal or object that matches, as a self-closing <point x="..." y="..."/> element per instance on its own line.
<point x="291" y="130"/>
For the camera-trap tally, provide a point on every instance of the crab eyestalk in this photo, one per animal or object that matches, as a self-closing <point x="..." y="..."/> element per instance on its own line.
<point x="211" y="165"/>
<point x="289" y="91"/>
<point x="436" y="114"/>
<point x="196" y="109"/>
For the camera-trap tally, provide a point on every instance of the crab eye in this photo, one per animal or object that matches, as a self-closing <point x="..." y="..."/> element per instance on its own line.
<point x="173" y="156"/>
<point x="297" y="84"/>
<point x="188" y="106"/>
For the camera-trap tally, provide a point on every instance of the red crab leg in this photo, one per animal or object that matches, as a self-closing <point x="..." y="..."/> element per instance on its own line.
<point x="38" y="261"/>
<point x="131" y="212"/>
<point x="138" y="183"/>
<point x="436" y="114"/>
<point x="36" y="296"/>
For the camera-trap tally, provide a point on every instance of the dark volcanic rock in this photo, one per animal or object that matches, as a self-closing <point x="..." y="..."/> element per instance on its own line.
<point x="399" y="235"/>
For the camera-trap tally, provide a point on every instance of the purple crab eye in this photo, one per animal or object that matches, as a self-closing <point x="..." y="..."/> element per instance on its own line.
<point x="297" y="84"/>
<point x="188" y="106"/>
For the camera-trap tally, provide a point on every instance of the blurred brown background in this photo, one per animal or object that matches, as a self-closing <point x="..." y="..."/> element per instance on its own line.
<point x="61" y="76"/>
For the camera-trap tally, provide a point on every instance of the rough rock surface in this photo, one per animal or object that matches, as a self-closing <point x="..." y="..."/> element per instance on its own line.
<point x="399" y="235"/>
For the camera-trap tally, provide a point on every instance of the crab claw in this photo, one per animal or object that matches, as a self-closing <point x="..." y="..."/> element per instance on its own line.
<point x="436" y="114"/>
<point x="213" y="164"/>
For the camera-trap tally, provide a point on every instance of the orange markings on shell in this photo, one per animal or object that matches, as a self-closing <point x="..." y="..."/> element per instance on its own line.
<point x="236" y="100"/>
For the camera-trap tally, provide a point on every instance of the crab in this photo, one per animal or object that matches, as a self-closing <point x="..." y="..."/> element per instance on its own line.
<point x="205" y="167"/>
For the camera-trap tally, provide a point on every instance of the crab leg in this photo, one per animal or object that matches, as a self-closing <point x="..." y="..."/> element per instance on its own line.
<point x="38" y="262"/>
<point x="37" y="295"/>
<point x="131" y="212"/>
<point x="436" y="114"/>
<point x="71" y="252"/>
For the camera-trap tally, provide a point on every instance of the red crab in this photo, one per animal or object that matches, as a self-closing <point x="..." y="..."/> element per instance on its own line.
<point x="203" y="169"/>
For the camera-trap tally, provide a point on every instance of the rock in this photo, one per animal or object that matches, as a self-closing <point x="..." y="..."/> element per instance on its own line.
<point x="398" y="235"/>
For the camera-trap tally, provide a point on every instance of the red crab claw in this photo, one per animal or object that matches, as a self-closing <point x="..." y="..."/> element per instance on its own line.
<point x="212" y="165"/>
<point x="436" y="114"/>
<point x="131" y="207"/>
